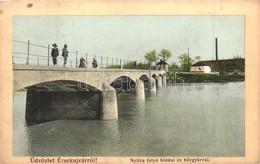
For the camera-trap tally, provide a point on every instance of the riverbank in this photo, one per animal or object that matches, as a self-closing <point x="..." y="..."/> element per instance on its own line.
<point x="204" y="78"/>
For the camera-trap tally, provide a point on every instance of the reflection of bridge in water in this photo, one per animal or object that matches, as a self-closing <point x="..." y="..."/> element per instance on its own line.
<point x="69" y="93"/>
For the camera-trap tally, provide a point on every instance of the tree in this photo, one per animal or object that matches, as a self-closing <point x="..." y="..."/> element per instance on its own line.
<point x="173" y="66"/>
<point x="237" y="65"/>
<point x="150" y="56"/>
<point x="165" y="54"/>
<point x="186" y="61"/>
<point x="129" y="65"/>
<point x="197" y="58"/>
<point x="142" y="66"/>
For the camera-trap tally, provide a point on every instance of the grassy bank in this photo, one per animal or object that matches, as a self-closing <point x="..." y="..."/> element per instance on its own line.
<point x="22" y="90"/>
<point x="202" y="78"/>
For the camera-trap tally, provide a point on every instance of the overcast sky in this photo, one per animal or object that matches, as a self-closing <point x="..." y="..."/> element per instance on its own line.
<point x="130" y="37"/>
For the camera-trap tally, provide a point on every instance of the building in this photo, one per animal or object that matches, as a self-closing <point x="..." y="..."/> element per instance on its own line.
<point x="225" y="65"/>
<point x="200" y="67"/>
<point x="162" y="65"/>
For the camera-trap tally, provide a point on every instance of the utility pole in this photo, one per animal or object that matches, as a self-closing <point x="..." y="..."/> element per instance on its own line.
<point x="48" y="64"/>
<point x="188" y="60"/>
<point x="216" y="44"/>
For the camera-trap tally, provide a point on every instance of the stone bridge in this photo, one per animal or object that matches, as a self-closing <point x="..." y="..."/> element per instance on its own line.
<point x="100" y="79"/>
<point x="28" y="75"/>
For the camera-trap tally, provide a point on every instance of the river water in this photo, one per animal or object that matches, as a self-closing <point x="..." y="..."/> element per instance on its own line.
<point x="184" y="120"/>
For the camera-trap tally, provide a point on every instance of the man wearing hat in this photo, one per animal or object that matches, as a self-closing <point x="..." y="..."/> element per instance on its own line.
<point x="94" y="63"/>
<point x="65" y="54"/>
<point x="54" y="54"/>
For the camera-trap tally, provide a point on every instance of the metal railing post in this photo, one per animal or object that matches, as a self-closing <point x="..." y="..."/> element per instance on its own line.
<point x="107" y="61"/>
<point x="101" y="65"/>
<point x="104" y="61"/>
<point x="86" y="60"/>
<point x="28" y="53"/>
<point x="48" y="55"/>
<point x="76" y="59"/>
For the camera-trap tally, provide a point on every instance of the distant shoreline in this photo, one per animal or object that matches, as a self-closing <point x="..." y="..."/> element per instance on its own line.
<point x="206" y="78"/>
<point x="194" y="82"/>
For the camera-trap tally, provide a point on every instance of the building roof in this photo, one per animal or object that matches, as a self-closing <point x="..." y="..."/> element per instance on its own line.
<point x="223" y="62"/>
<point x="161" y="62"/>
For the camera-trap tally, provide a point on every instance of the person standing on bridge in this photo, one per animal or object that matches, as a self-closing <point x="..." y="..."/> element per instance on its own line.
<point x="54" y="54"/>
<point x="82" y="63"/>
<point x="65" y="54"/>
<point x="135" y="64"/>
<point x="94" y="63"/>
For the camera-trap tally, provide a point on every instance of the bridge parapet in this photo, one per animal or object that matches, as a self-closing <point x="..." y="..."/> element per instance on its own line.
<point x="53" y="68"/>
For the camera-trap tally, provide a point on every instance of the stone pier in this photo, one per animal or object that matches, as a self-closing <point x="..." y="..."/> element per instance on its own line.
<point x="164" y="82"/>
<point x="159" y="82"/>
<point x="108" y="103"/>
<point x="152" y="84"/>
<point x="139" y="90"/>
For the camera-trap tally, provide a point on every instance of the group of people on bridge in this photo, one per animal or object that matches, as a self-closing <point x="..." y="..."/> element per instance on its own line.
<point x="82" y="63"/>
<point x="55" y="54"/>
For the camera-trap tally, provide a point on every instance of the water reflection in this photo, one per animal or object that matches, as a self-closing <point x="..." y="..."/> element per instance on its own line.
<point x="203" y="120"/>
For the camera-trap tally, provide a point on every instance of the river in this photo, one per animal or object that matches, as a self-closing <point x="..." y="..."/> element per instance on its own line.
<point x="203" y="119"/>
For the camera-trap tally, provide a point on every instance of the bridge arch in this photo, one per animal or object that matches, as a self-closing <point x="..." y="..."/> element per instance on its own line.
<point x="146" y="81"/>
<point x="124" y="83"/>
<point x="143" y="76"/>
<point x="61" y="99"/>
<point x="63" y="85"/>
<point x="58" y="85"/>
<point x="154" y="75"/>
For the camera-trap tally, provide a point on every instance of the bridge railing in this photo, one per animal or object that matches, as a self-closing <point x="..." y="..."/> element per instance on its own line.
<point x="25" y="52"/>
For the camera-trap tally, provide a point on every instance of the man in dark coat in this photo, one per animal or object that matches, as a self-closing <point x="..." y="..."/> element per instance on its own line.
<point x="65" y="54"/>
<point x="94" y="63"/>
<point x="54" y="54"/>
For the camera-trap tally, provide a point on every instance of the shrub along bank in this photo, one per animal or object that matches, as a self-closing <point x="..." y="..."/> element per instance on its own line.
<point x="202" y="78"/>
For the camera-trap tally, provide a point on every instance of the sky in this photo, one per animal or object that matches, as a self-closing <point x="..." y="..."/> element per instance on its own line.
<point x="130" y="37"/>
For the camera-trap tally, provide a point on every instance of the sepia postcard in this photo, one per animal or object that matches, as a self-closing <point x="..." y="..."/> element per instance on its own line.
<point x="129" y="81"/>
